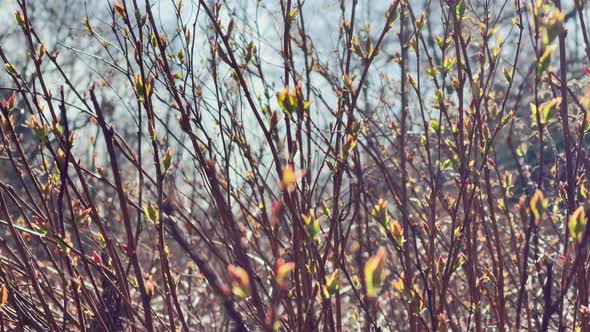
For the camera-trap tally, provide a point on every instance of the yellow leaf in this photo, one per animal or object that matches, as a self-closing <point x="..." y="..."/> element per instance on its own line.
<point x="120" y="9"/>
<point x="282" y="271"/>
<point x="397" y="232"/>
<point x="240" y="281"/>
<point x="4" y="295"/>
<point x="332" y="285"/>
<point x="374" y="273"/>
<point x="538" y="204"/>
<point x="577" y="224"/>
<point x="380" y="213"/>
<point x="290" y="178"/>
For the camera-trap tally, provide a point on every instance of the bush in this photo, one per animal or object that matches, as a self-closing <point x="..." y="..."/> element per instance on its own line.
<point x="294" y="165"/>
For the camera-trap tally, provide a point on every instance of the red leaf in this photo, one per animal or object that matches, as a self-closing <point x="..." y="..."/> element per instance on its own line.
<point x="96" y="258"/>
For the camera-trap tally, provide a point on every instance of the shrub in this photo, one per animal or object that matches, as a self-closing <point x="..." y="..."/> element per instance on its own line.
<point x="295" y="165"/>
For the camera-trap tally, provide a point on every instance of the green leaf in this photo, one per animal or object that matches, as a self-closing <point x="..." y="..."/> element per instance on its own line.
<point x="577" y="224"/>
<point x="380" y="213"/>
<point x="445" y="165"/>
<point x="538" y="204"/>
<point x="332" y="285"/>
<point x="507" y="74"/>
<point x="19" y="19"/>
<point x="460" y="9"/>
<point x="312" y="224"/>
<point x="448" y="64"/>
<point x="545" y="60"/>
<point x="432" y="72"/>
<point x="283" y="100"/>
<point x="325" y="210"/>
<point x="549" y="109"/>
<point x="152" y="214"/>
<point x="86" y="24"/>
<point x="534" y="112"/>
<point x="355" y="47"/>
<point x="62" y="246"/>
<point x="167" y="161"/>
<point x="434" y="125"/>
<point x="554" y="26"/>
<point x="10" y="68"/>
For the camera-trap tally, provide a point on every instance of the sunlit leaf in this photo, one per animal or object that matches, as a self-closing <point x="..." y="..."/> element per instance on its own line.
<point x="3" y="295"/>
<point x="240" y="281"/>
<point x="374" y="273"/>
<point x="538" y="204"/>
<point x="577" y="224"/>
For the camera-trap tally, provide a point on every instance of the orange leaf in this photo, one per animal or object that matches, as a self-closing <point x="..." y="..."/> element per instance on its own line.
<point x="120" y="9"/>
<point x="3" y="295"/>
